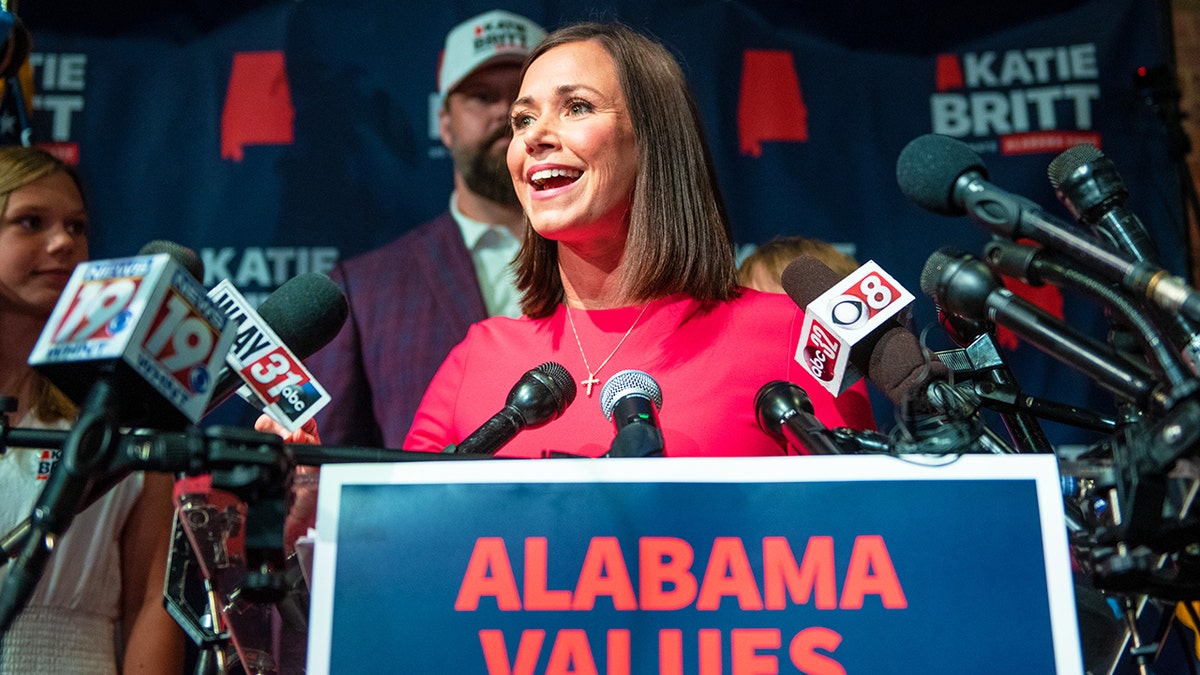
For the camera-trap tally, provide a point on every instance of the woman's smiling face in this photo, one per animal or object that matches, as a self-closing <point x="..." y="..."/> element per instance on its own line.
<point x="573" y="157"/>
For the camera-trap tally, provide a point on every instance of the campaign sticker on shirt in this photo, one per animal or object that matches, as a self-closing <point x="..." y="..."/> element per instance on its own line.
<point x="46" y="463"/>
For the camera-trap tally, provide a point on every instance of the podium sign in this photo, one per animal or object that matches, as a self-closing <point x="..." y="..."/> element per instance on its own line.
<point x="821" y="564"/>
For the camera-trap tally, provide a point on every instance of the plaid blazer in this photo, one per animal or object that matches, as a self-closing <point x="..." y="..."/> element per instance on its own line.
<point x="411" y="301"/>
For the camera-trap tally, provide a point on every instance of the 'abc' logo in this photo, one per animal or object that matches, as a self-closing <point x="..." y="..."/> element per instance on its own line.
<point x="819" y="364"/>
<point x="820" y="353"/>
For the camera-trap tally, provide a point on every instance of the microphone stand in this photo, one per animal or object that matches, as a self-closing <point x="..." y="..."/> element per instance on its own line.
<point x="1000" y="392"/>
<point x="235" y="528"/>
<point x="1036" y="266"/>
<point x="87" y="446"/>
<point x="982" y="356"/>
<point x="1141" y="549"/>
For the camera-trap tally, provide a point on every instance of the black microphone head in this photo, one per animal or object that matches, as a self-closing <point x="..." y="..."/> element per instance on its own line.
<point x="182" y="255"/>
<point x="629" y="383"/>
<point x="775" y="402"/>
<point x="306" y="312"/>
<point x="542" y="394"/>
<point x="964" y="331"/>
<point x="1086" y="181"/>
<point x="1070" y="160"/>
<point x="936" y="265"/>
<point x="959" y="282"/>
<point x="930" y="165"/>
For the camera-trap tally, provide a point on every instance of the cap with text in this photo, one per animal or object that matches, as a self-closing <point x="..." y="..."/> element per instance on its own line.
<point x="489" y="38"/>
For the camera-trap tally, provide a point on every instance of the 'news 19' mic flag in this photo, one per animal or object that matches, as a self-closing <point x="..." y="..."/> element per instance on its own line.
<point x="149" y="319"/>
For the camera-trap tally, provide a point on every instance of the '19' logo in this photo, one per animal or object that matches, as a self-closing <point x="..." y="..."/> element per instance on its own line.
<point x="820" y="354"/>
<point x="99" y="310"/>
<point x="182" y="342"/>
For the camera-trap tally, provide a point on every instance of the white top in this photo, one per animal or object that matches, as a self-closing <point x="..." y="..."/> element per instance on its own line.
<point x="492" y="249"/>
<point x="69" y="625"/>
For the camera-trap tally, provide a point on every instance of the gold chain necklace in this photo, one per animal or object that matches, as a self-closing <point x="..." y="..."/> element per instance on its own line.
<point x="592" y="380"/>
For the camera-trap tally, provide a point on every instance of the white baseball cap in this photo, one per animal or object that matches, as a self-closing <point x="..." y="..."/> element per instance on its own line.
<point x="496" y="36"/>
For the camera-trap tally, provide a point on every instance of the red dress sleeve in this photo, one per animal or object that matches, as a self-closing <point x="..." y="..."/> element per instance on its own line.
<point x="433" y="426"/>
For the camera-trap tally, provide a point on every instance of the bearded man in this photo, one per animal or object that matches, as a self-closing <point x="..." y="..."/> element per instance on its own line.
<point x="413" y="299"/>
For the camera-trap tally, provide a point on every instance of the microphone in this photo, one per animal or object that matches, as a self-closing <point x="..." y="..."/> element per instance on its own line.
<point x="182" y="255"/>
<point x="145" y="323"/>
<point x="888" y="354"/>
<point x="844" y="317"/>
<point x="540" y="396"/>
<point x="16" y="46"/>
<point x="1036" y="266"/>
<point x="299" y="318"/>
<point x="631" y="400"/>
<point x="129" y="339"/>
<point x="1088" y="184"/>
<point x="964" y="285"/>
<point x="943" y="175"/>
<point x="306" y="312"/>
<point x="785" y="412"/>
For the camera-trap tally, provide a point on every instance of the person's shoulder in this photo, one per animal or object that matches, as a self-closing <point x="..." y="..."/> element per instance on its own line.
<point x="505" y="328"/>
<point x="420" y="240"/>
<point x="753" y="301"/>
<point x="754" y="296"/>
<point x="502" y="334"/>
<point x="759" y="310"/>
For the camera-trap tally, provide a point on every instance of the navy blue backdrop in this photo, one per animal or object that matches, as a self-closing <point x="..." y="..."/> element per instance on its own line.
<point x="274" y="136"/>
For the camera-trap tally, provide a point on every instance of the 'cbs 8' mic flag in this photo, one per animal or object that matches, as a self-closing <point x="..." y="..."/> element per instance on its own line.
<point x="841" y="325"/>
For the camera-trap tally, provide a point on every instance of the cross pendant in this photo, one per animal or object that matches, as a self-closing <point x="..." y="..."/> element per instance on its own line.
<point x="589" y="383"/>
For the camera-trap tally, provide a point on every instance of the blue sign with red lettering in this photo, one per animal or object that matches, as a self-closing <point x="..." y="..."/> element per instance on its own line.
<point x="762" y="565"/>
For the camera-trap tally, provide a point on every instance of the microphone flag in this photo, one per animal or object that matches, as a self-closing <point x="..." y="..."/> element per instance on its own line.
<point x="845" y="316"/>
<point x="149" y="318"/>
<point x="274" y="375"/>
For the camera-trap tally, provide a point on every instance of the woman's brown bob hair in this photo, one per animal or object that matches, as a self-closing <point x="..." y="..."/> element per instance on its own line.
<point x="679" y="238"/>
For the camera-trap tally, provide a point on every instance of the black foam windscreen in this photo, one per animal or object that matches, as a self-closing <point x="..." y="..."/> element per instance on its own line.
<point x="181" y="254"/>
<point x="306" y="312"/>
<point x="928" y="167"/>
<point x="806" y="278"/>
